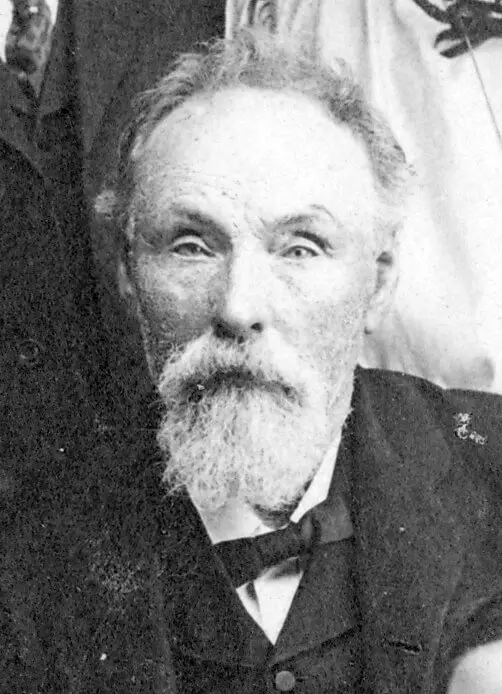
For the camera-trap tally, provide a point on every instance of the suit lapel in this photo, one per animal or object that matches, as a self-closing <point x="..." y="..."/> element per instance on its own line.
<point x="409" y="545"/>
<point x="105" y="36"/>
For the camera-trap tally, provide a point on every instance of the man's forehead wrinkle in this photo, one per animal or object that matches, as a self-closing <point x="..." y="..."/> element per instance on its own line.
<point x="157" y="171"/>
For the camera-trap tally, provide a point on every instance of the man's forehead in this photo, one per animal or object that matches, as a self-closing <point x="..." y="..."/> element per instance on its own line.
<point x="261" y="149"/>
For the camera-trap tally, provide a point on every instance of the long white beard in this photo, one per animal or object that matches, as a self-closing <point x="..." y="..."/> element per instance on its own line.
<point x="237" y="428"/>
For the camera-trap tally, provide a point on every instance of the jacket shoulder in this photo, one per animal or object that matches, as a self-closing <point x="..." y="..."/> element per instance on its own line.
<point x="470" y="421"/>
<point x="482" y="407"/>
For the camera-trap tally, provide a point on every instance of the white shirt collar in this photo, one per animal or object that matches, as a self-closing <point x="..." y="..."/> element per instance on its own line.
<point x="236" y="519"/>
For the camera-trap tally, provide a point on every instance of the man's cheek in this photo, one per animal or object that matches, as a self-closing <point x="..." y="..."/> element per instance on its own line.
<point x="332" y="322"/>
<point x="177" y="317"/>
<point x="336" y="338"/>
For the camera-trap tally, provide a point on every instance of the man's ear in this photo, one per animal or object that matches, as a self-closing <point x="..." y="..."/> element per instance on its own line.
<point x="384" y="289"/>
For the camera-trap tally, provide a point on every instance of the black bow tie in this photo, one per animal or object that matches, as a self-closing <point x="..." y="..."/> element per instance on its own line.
<point x="245" y="559"/>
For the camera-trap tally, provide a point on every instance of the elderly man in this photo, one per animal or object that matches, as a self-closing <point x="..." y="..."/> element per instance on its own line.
<point x="326" y="528"/>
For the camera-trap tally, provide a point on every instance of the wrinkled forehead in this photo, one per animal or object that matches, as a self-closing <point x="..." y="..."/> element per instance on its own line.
<point x="256" y="153"/>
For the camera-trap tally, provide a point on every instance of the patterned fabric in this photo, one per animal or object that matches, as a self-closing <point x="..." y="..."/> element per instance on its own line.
<point x="28" y="41"/>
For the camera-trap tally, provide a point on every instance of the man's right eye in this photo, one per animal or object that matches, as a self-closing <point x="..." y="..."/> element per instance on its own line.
<point x="190" y="247"/>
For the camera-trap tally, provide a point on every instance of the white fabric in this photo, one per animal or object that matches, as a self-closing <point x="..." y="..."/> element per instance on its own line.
<point x="447" y="321"/>
<point x="6" y="10"/>
<point x="268" y="599"/>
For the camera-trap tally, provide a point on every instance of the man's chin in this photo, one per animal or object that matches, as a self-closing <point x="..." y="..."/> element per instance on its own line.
<point x="271" y="487"/>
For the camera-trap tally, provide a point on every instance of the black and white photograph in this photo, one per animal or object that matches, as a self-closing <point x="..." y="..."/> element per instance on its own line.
<point x="250" y="346"/>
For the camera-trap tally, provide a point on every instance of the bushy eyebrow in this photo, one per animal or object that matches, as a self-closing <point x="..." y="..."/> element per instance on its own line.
<point x="314" y="213"/>
<point x="312" y="225"/>
<point x="189" y="215"/>
<point x="310" y="216"/>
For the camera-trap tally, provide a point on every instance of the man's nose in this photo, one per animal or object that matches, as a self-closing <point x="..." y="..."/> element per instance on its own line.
<point x="244" y="310"/>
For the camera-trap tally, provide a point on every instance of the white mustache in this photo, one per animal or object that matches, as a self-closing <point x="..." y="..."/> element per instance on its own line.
<point x="208" y="364"/>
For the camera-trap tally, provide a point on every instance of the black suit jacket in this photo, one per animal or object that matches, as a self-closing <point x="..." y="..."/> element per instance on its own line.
<point x="426" y="516"/>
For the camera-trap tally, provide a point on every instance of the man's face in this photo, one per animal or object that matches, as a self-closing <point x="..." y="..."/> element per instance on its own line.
<point x="255" y="271"/>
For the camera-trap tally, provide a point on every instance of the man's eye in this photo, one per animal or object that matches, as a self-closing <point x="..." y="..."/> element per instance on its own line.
<point x="300" y="252"/>
<point x="190" y="248"/>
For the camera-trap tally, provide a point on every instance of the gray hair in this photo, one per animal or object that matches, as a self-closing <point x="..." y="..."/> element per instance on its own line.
<point x="256" y="59"/>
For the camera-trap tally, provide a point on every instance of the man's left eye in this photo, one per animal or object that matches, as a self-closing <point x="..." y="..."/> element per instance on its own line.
<point x="301" y="251"/>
